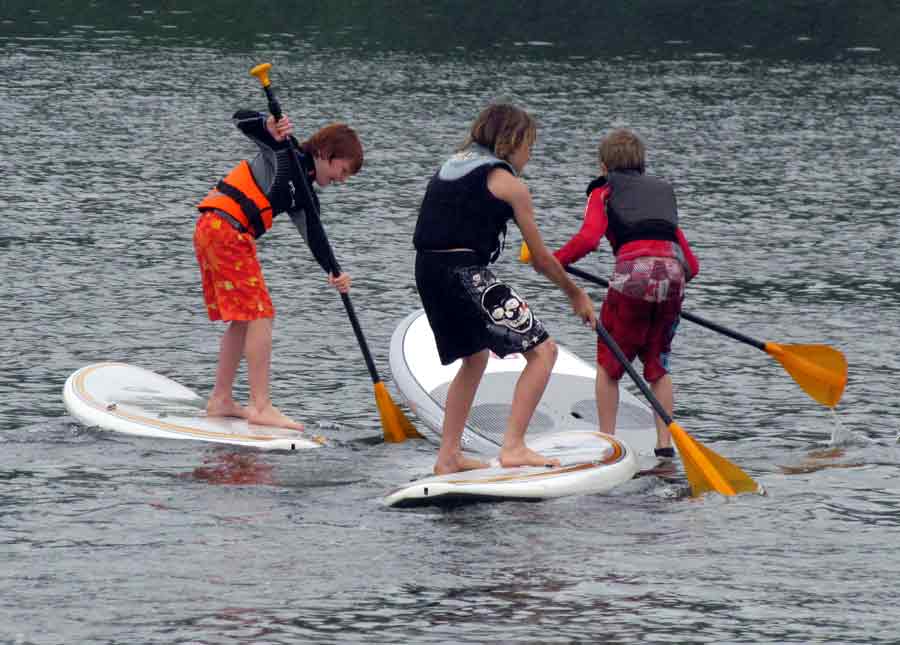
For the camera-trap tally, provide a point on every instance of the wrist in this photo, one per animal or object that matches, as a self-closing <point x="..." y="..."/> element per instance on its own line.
<point x="572" y="291"/>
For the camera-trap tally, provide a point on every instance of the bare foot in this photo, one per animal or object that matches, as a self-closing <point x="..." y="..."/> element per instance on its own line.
<point x="456" y="464"/>
<point x="224" y="408"/>
<point x="524" y="456"/>
<point x="271" y="416"/>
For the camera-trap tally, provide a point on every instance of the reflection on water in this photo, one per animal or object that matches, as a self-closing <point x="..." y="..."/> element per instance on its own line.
<point x="119" y="122"/>
<point x="235" y="469"/>
<point x="818" y="460"/>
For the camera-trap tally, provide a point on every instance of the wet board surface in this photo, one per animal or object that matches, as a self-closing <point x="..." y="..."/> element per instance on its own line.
<point x="590" y="463"/>
<point x="125" y="398"/>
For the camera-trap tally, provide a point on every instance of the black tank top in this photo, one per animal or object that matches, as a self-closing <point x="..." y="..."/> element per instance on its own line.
<point x="459" y="212"/>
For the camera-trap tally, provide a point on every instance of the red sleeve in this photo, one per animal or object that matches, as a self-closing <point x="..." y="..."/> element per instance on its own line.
<point x="689" y="257"/>
<point x="592" y="229"/>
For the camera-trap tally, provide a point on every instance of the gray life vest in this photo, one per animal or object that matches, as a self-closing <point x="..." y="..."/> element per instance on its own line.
<point x="640" y="208"/>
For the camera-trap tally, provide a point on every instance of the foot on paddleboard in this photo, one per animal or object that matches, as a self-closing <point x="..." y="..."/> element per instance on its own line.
<point x="459" y="464"/>
<point x="524" y="456"/>
<point x="271" y="416"/>
<point x="225" y="408"/>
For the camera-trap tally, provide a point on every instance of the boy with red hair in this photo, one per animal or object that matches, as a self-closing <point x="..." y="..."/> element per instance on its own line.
<point x="240" y="209"/>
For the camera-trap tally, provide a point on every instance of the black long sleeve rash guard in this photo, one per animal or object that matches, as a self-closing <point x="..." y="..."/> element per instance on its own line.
<point x="279" y="180"/>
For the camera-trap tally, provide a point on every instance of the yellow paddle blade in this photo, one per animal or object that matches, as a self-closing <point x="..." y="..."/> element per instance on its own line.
<point x="708" y="471"/>
<point x="525" y="254"/>
<point x="396" y="426"/>
<point x="819" y="369"/>
<point x="739" y="481"/>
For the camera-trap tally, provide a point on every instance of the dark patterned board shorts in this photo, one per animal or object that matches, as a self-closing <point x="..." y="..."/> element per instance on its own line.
<point x="470" y="310"/>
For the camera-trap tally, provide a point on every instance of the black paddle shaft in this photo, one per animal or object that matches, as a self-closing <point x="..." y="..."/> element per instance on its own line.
<point x="604" y="335"/>
<point x="275" y="109"/>
<point x="703" y="322"/>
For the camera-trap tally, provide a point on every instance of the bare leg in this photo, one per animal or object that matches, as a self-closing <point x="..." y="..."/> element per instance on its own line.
<point x="662" y="390"/>
<point x="258" y="350"/>
<point x="529" y="389"/>
<point x="460" y="395"/>
<point x="606" y="391"/>
<point x="221" y="402"/>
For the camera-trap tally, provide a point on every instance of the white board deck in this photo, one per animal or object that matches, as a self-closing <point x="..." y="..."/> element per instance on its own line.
<point x="591" y="463"/>
<point x="133" y="400"/>
<point x="568" y="402"/>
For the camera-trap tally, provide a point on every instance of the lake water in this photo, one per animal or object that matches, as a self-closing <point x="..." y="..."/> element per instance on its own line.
<point x="117" y="121"/>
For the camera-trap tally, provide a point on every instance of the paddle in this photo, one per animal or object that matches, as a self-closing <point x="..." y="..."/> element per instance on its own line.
<point x="396" y="426"/>
<point x="819" y="369"/>
<point x="706" y="471"/>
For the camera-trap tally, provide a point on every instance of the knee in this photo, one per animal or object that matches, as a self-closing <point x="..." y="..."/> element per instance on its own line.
<point x="547" y="353"/>
<point x="552" y="350"/>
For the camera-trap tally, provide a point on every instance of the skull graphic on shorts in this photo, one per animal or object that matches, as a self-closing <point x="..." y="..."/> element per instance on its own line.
<point x="506" y="308"/>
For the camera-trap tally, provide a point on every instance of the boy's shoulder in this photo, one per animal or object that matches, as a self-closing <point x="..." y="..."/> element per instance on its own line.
<point x="599" y="182"/>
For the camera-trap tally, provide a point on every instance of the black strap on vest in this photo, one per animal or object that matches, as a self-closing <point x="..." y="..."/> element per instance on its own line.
<point x="251" y="210"/>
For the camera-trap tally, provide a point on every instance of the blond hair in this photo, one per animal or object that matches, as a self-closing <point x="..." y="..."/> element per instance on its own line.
<point x="502" y="128"/>
<point x="622" y="150"/>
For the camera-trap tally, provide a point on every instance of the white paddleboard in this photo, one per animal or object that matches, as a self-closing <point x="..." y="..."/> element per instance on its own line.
<point x="590" y="462"/>
<point x="568" y="402"/>
<point x="133" y="400"/>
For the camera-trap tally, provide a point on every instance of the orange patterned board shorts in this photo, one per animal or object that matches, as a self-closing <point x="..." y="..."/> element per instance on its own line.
<point x="233" y="284"/>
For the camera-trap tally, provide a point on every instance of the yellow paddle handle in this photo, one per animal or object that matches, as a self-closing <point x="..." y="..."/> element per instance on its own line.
<point x="261" y="72"/>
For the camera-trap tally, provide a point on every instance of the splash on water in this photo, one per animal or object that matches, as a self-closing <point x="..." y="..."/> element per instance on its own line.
<point x="842" y="436"/>
<point x="832" y="456"/>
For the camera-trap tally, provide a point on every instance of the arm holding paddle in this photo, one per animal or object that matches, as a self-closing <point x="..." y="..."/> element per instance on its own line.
<point x="280" y="129"/>
<point x="594" y="226"/>
<point x="306" y="219"/>
<point x="514" y="191"/>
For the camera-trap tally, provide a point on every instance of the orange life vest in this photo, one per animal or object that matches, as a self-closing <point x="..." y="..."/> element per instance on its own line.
<point x="239" y="196"/>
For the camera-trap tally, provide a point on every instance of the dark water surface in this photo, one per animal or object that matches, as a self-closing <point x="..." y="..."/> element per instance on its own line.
<point x="115" y="123"/>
